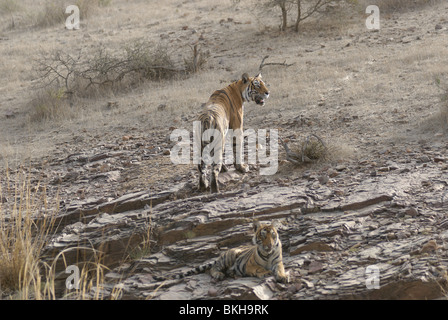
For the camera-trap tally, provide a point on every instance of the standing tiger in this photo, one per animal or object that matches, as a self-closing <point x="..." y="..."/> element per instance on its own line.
<point x="261" y="259"/>
<point x="223" y="111"/>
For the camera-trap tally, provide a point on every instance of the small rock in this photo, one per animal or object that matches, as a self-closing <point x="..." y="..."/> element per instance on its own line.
<point x="212" y="292"/>
<point x="323" y="179"/>
<point x="426" y="183"/>
<point x="391" y="236"/>
<point x="424" y="159"/>
<point x="430" y="246"/>
<point x="293" y="288"/>
<point x="332" y="173"/>
<point x="315" y="266"/>
<point x="309" y="284"/>
<point x="166" y="152"/>
<point x="392" y="165"/>
<point x="9" y="115"/>
<point x="438" y="27"/>
<point x="411" y="212"/>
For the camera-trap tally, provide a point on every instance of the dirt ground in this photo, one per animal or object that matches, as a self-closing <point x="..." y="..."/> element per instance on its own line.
<point x="360" y="88"/>
<point x="372" y="95"/>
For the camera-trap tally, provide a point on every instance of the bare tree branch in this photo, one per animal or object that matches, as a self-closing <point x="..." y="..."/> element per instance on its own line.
<point x="263" y="64"/>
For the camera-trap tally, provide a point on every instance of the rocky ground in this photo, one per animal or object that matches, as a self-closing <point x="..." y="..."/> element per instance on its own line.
<point x="388" y="211"/>
<point x="379" y="203"/>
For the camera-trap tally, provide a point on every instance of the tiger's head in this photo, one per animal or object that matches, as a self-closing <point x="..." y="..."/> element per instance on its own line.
<point x="265" y="237"/>
<point x="255" y="89"/>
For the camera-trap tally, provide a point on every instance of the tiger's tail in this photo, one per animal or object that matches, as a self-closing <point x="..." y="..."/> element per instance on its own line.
<point x="199" y="269"/>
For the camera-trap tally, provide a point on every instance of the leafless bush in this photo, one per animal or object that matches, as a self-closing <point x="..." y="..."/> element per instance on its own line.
<point x="78" y="72"/>
<point x="197" y="60"/>
<point x="303" y="8"/>
<point x="63" y="75"/>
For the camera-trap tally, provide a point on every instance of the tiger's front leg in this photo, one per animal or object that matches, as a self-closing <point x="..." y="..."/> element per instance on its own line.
<point x="257" y="271"/>
<point x="203" y="183"/>
<point x="217" y="164"/>
<point x="214" y="183"/>
<point x="279" y="273"/>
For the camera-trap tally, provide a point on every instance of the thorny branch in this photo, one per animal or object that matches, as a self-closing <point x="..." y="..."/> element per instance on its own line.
<point x="263" y="64"/>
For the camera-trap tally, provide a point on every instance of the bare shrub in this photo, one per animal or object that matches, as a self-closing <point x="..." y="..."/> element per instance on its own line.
<point x="78" y="72"/>
<point x="303" y="9"/>
<point x="313" y="149"/>
<point x="65" y="75"/>
<point x="197" y="60"/>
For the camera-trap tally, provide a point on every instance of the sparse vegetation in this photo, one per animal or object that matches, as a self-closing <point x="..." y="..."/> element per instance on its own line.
<point x="54" y="11"/>
<point x="442" y="116"/>
<point x="94" y="126"/>
<point x="63" y="75"/>
<point x="9" y="6"/>
<point x="303" y="9"/>
<point x="76" y="73"/>
<point x="313" y="149"/>
<point x="26" y="224"/>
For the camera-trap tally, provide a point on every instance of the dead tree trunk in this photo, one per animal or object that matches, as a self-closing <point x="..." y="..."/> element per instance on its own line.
<point x="299" y="15"/>
<point x="282" y="5"/>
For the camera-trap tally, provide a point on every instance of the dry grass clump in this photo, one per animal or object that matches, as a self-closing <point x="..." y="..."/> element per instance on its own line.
<point x="441" y="117"/>
<point x="314" y="149"/>
<point x="50" y="105"/>
<point x="9" y="6"/>
<point x="26" y="223"/>
<point x="311" y="149"/>
<point x="54" y="11"/>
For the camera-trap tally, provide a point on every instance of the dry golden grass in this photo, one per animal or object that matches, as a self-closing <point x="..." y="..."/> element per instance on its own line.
<point x="9" y="6"/>
<point x="26" y="225"/>
<point x="53" y="12"/>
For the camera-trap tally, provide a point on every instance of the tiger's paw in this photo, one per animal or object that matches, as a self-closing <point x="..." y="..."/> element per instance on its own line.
<point x="217" y="275"/>
<point x="283" y="278"/>
<point x="243" y="168"/>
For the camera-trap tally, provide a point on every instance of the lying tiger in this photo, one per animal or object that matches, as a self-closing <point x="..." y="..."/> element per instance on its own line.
<point x="261" y="259"/>
<point x="224" y="110"/>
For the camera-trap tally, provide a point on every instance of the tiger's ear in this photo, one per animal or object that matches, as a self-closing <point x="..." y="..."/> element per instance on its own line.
<point x="256" y="225"/>
<point x="258" y="76"/>
<point x="245" y="77"/>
